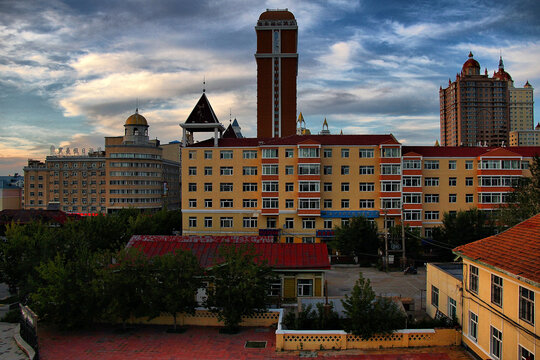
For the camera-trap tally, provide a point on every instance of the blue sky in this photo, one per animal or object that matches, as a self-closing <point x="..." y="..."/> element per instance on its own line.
<point x="71" y="71"/>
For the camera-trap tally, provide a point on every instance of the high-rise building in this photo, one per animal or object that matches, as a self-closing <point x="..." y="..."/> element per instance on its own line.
<point x="277" y="68"/>
<point x="479" y="110"/>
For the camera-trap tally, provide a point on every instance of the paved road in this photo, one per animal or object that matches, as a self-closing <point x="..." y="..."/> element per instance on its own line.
<point x="341" y="279"/>
<point x="8" y="347"/>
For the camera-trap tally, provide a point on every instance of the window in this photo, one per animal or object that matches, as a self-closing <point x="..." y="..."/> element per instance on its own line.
<point x="289" y="170"/>
<point x="309" y="203"/>
<point x="327" y="153"/>
<point x="249" y="186"/>
<point x="473" y="279"/>
<point x="270" y="170"/>
<point x="289" y="153"/>
<point x="270" y="186"/>
<point x="226" y="203"/>
<point x="208" y="222"/>
<point x="249" y="203"/>
<point x="207" y="170"/>
<point x="249" y="170"/>
<point x="289" y="203"/>
<point x="412" y="215"/>
<point x="452" y="308"/>
<point x="496" y="343"/>
<point x="391" y="203"/>
<point x="412" y="181"/>
<point x="309" y="186"/>
<point x="327" y="170"/>
<point x="412" y="198"/>
<point x="367" y="170"/>
<point x="305" y="287"/>
<point x="344" y="203"/>
<point x="390" y="152"/>
<point x="434" y="181"/>
<point x="469" y="181"/>
<point x="469" y="165"/>
<point x="345" y="222"/>
<point x="452" y="164"/>
<point x="367" y="203"/>
<point x="452" y="181"/>
<point x="309" y="169"/>
<point x="192" y="203"/>
<point x="226" y="222"/>
<point x="289" y="186"/>
<point x="344" y="186"/>
<point x="289" y="239"/>
<point x="249" y="154"/>
<point x="327" y="224"/>
<point x="431" y="198"/>
<point x="390" y="169"/>
<point x="226" y="170"/>
<point x="412" y="164"/>
<point x="226" y="154"/>
<point x="525" y="354"/>
<point x="327" y="186"/>
<point x="452" y="198"/>
<point x="469" y="198"/>
<point x="225" y="187"/>
<point x="327" y="203"/>
<point x="308" y="223"/>
<point x="270" y="203"/>
<point x="289" y="223"/>
<point x="367" y="187"/>
<point x="192" y="170"/>
<point x="192" y="221"/>
<point x="207" y="203"/>
<point x="191" y="154"/>
<point x="496" y="290"/>
<point x="473" y="326"/>
<point x="275" y="288"/>
<point x="365" y="153"/>
<point x="249" y="222"/>
<point x="308" y="153"/>
<point x="192" y="187"/>
<point x="344" y="153"/>
<point x="207" y="154"/>
<point x="434" y="296"/>
<point x="431" y="215"/>
<point x="431" y="164"/>
<point x="526" y="305"/>
<point x="390" y="186"/>
<point x="344" y="170"/>
<point x="207" y="187"/>
<point x="269" y="153"/>
<point x="271" y="223"/>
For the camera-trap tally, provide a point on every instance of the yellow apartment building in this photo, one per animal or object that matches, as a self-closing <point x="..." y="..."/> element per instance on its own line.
<point x="444" y="290"/>
<point x="521" y="107"/>
<point x="501" y="285"/>
<point x="525" y="137"/>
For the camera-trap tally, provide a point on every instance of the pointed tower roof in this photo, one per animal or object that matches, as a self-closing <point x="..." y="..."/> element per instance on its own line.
<point x="437" y="142"/>
<point x="527" y="85"/>
<point x="229" y="133"/>
<point x="202" y="113"/>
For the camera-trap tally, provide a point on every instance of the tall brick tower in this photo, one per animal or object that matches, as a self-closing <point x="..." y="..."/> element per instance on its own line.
<point x="277" y="69"/>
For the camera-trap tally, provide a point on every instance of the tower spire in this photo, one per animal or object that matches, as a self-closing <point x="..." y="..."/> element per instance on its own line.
<point x="204" y="84"/>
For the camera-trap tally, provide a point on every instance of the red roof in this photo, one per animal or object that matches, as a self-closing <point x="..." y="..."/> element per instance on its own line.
<point x="498" y="152"/>
<point x="277" y="255"/>
<point x="515" y="251"/>
<point x="469" y="151"/>
<point x="297" y="139"/>
<point x="204" y="238"/>
<point x="20" y="216"/>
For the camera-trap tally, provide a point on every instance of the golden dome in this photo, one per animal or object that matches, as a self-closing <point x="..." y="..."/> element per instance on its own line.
<point x="136" y="119"/>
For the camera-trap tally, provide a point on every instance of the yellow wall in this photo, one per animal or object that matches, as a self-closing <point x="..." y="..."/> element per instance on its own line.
<point x="448" y="286"/>
<point x="515" y="331"/>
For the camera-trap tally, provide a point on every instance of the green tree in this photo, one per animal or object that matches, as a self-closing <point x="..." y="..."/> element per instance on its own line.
<point x="128" y="285"/>
<point x="367" y="315"/>
<point x="178" y="277"/>
<point x="70" y="291"/>
<point x="359" y="238"/>
<point x="413" y="244"/>
<point x="462" y="228"/>
<point x="524" y="201"/>
<point x="241" y="285"/>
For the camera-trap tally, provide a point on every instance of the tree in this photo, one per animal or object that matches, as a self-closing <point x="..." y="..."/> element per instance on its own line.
<point x="240" y="285"/>
<point x="177" y="278"/>
<point x="462" y="228"/>
<point x="359" y="238"/>
<point x="524" y="201"/>
<point x="413" y="244"/>
<point x="368" y="315"/>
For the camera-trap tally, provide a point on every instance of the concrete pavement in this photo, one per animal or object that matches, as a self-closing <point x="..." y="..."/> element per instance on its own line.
<point x="8" y="347"/>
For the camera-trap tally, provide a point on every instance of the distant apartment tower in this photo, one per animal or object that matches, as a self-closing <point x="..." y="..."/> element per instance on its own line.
<point x="277" y="69"/>
<point x="521" y="107"/>
<point x="474" y="109"/>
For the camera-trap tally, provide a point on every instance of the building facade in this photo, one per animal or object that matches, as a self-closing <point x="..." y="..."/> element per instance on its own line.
<point x="11" y="192"/>
<point x="133" y="171"/>
<point x="478" y="110"/>
<point x="277" y="69"/>
<point x="299" y="188"/>
<point x="444" y="286"/>
<point x="525" y="137"/>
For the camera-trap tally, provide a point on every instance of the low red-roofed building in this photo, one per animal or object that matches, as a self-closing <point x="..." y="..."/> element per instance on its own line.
<point x="500" y="290"/>
<point x="300" y="267"/>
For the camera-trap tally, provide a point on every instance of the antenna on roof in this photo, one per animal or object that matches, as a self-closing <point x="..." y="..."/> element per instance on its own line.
<point x="230" y="115"/>
<point x="204" y="84"/>
<point x="137" y="106"/>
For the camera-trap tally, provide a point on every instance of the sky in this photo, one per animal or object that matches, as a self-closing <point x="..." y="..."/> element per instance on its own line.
<point x="71" y="72"/>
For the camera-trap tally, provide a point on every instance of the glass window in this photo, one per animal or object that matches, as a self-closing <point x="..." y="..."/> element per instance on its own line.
<point x="207" y="170"/>
<point x="270" y="186"/>
<point x="365" y="153"/>
<point x="309" y="203"/>
<point x="434" y="296"/>
<point x="269" y="153"/>
<point x="431" y="181"/>
<point x="289" y="186"/>
<point x="525" y="354"/>
<point x="496" y="290"/>
<point x="469" y="165"/>
<point x="207" y="203"/>
<point x="249" y="203"/>
<point x="225" y="187"/>
<point x="526" y="304"/>
<point x="344" y="153"/>
<point x="289" y="223"/>
<point x="496" y="343"/>
<point x="452" y="308"/>
<point x="225" y="170"/>
<point x="412" y="198"/>
<point x="327" y="203"/>
<point x="249" y="170"/>
<point x="327" y="186"/>
<point x="308" y="223"/>
<point x="390" y="152"/>
<point x="431" y="198"/>
<point x="249" y="154"/>
<point x="192" y="203"/>
<point x="309" y="169"/>
<point x="390" y="169"/>
<point x="270" y="169"/>
<point x="207" y="187"/>
<point x="327" y="170"/>
<point x="431" y="164"/>
<point x="473" y="279"/>
<point x="327" y="224"/>
<point x="431" y="215"/>
<point x="270" y="203"/>
<point x="207" y="154"/>
<point x="367" y="203"/>
<point x="305" y="287"/>
<point x="192" y="187"/>
<point x="249" y="222"/>
<point x="308" y="152"/>
<point x="289" y="153"/>
<point x="289" y="170"/>
<point x="452" y="164"/>
<point x="226" y="222"/>
<point x="208" y="222"/>
<point x="327" y="153"/>
<point x="473" y="326"/>
<point x="344" y="186"/>
<point x="192" y="221"/>
<point x="452" y="181"/>
<point x="192" y="170"/>
<point x="344" y="170"/>
<point x="289" y="203"/>
<point x="412" y="164"/>
<point x="367" y="170"/>
<point x="344" y="203"/>
<point x="367" y="187"/>
<point x="452" y="198"/>
<point x="309" y="186"/>
<point x="226" y="203"/>
<point x="226" y="154"/>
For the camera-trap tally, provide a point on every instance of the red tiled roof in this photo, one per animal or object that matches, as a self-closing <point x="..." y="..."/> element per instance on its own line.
<point x="204" y="238"/>
<point x="411" y="154"/>
<point x="296" y="139"/>
<point x="500" y="152"/>
<point x="515" y="251"/>
<point x="468" y="151"/>
<point x="277" y="255"/>
<point x="26" y="216"/>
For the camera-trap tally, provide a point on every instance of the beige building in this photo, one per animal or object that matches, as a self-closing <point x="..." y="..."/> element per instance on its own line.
<point x="133" y="171"/>
<point x="444" y="290"/>
<point x="525" y="137"/>
<point x="10" y="192"/>
<point x="521" y="107"/>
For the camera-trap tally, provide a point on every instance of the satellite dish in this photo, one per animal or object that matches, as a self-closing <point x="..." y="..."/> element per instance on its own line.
<point x="52" y="150"/>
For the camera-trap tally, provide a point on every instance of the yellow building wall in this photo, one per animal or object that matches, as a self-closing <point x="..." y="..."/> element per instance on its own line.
<point x="515" y="332"/>
<point x="448" y="286"/>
